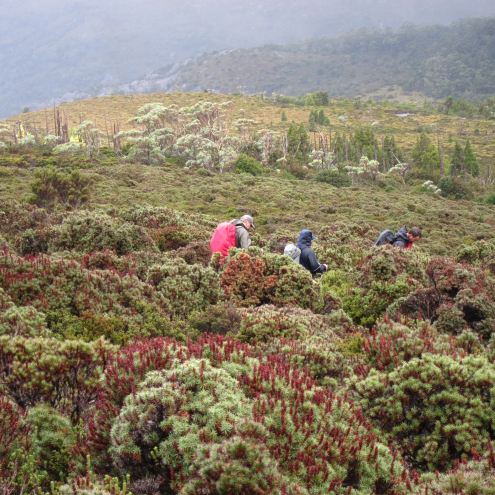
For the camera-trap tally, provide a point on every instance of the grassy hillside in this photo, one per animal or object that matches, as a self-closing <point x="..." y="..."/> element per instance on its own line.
<point x="435" y="61"/>
<point x="404" y="122"/>
<point x="447" y="223"/>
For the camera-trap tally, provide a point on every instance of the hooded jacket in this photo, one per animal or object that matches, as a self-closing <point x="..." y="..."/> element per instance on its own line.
<point x="308" y="257"/>
<point x="401" y="239"/>
<point x="242" y="238"/>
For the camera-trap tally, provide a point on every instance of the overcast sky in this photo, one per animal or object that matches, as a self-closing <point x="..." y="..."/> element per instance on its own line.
<point x="51" y="48"/>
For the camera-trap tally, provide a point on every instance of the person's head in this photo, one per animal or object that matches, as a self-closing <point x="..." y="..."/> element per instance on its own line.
<point x="247" y="221"/>
<point x="306" y="237"/>
<point x="414" y="234"/>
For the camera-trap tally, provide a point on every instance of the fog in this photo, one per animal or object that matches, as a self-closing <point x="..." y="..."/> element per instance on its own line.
<point x="65" y="48"/>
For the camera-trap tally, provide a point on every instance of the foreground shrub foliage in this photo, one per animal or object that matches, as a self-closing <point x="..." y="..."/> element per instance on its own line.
<point x="476" y="477"/>
<point x="438" y="408"/>
<point x="131" y="361"/>
<point x="253" y="278"/>
<point x="458" y="297"/>
<point x="371" y="284"/>
<point x="61" y="374"/>
<point x="213" y="395"/>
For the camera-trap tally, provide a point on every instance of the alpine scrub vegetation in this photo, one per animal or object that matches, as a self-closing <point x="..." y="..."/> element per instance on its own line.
<point x="436" y="407"/>
<point x="221" y="399"/>
<point x="253" y="278"/>
<point x="132" y="361"/>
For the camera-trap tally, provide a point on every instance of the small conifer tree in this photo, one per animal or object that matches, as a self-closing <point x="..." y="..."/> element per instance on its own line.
<point x="470" y="160"/>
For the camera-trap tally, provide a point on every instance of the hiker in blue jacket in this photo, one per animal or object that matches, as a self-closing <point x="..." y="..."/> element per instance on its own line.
<point x="308" y="257"/>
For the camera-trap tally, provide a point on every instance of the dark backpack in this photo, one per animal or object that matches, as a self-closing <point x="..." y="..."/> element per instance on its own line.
<point x="386" y="237"/>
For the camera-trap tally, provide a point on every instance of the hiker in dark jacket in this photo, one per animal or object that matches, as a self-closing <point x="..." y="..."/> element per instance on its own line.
<point x="308" y="257"/>
<point x="242" y="226"/>
<point x="405" y="238"/>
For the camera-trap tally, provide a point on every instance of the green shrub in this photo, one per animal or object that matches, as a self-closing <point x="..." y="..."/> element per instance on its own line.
<point x="90" y="231"/>
<point x="180" y="418"/>
<point x="343" y="244"/>
<point x="385" y="275"/>
<point x="19" y="471"/>
<point x="198" y="253"/>
<point x="390" y="344"/>
<point x="480" y="253"/>
<point x="170" y="229"/>
<point x="23" y="321"/>
<point x="458" y="297"/>
<point x="182" y="288"/>
<point x="64" y="287"/>
<point x="254" y="278"/>
<point x="52" y="439"/>
<point x="160" y="426"/>
<point x="436" y="407"/>
<point x="92" y="484"/>
<point x="455" y="188"/>
<point x="266" y="323"/>
<point x="221" y="318"/>
<point x="490" y="199"/>
<point x="32" y="241"/>
<point x="246" y="164"/>
<point x="334" y="178"/>
<point x="16" y="218"/>
<point x="43" y="370"/>
<point x="476" y="477"/>
<point x="238" y="465"/>
<point x="52" y="186"/>
<point x="314" y="342"/>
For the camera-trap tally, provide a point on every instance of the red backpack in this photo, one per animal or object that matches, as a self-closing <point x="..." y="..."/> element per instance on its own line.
<point x="223" y="239"/>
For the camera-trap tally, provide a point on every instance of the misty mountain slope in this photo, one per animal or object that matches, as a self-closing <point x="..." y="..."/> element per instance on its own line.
<point x="62" y="49"/>
<point x="436" y="61"/>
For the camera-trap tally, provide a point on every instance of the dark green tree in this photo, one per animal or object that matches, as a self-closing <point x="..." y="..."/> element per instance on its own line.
<point x="339" y="147"/>
<point x="470" y="160"/>
<point x="317" y="118"/>
<point x="390" y="153"/>
<point x="363" y="143"/>
<point x="298" y="145"/>
<point x="319" y="98"/>
<point x="457" y="165"/>
<point x="425" y="156"/>
<point x="447" y="104"/>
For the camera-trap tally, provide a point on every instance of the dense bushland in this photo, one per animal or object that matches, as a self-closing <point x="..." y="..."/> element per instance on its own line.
<point x="130" y="359"/>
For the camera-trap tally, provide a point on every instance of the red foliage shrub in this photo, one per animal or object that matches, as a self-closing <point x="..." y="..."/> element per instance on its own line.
<point x="244" y="279"/>
<point x="14" y="437"/>
<point x="459" y="297"/>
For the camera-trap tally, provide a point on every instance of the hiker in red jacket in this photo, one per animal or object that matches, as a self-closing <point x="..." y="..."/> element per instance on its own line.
<point x="405" y="238"/>
<point x="232" y="234"/>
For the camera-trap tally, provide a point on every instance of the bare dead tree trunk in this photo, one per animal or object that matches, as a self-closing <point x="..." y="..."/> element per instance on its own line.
<point x="65" y="130"/>
<point x="116" y="138"/>
<point x="106" y="131"/>
<point x="35" y="131"/>
<point x="384" y="156"/>
<point x="14" y="133"/>
<point x="47" y="130"/>
<point x="440" y="155"/>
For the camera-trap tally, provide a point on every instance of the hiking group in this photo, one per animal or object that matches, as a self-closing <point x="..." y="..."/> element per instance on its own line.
<point x="235" y="233"/>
